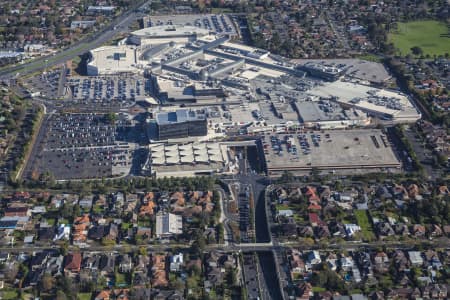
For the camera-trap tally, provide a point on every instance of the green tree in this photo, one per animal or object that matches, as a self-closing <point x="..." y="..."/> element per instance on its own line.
<point x="417" y="50"/>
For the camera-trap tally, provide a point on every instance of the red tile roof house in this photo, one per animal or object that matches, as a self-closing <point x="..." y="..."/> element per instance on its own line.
<point x="17" y="212"/>
<point x="314" y="206"/>
<point x="314" y="219"/>
<point x="73" y="263"/>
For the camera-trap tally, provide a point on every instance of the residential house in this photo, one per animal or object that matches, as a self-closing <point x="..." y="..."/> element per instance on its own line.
<point x="118" y="201"/>
<point x="305" y="291"/>
<point x="168" y="295"/>
<point x="62" y="232"/>
<point x="91" y="262"/>
<point x="216" y="264"/>
<point x="147" y="209"/>
<point x="97" y="232"/>
<point x="313" y="258"/>
<point x="176" y="261"/>
<point x="39" y="260"/>
<point x="346" y="263"/>
<point x="415" y="257"/>
<point x="446" y="230"/>
<point x="141" y="271"/>
<point x="384" y="229"/>
<point x="351" y="229"/>
<point x="365" y="264"/>
<point x="177" y="199"/>
<point x="72" y="263"/>
<point x="80" y="229"/>
<point x="54" y="265"/>
<point x="314" y="219"/>
<point x="100" y="201"/>
<point x="435" y="291"/>
<point x="46" y="233"/>
<point x="289" y="230"/>
<point x="401" y="229"/>
<point x="86" y="202"/>
<point x="322" y="231"/>
<point x="103" y="295"/>
<point x="432" y="259"/>
<point x="286" y="213"/>
<point x="159" y="275"/>
<point x="377" y="295"/>
<point x="356" y="274"/>
<point x="297" y="264"/>
<point x="435" y="231"/>
<point x="4" y="257"/>
<point x="307" y="231"/>
<point x="107" y="265"/>
<point x="20" y="211"/>
<point x="38" y="209"/>
<point x="112" y="232"/>
<point x="413" y="191"/>
<point x="400" y="260"/>
<point x="381" y="261"/>
<point x="418" y="230"/>
<point x="125" y="264"/>
<point x="143" y="232"/>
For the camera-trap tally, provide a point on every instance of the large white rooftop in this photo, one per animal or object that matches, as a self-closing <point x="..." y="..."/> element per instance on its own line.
<point x="114" y="59"/>
<point x="368" y="98"/>
<point x="170" y="30"/>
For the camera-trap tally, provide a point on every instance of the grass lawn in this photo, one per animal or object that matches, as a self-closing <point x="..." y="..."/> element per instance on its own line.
<point x="126" y="225"/>
<point x="366" y="227"/>
<point x="84" y="296"/>
<point x="318" y="289"/>
<point x="281" y="207"/>
<point x="370" y="57"/>
<point x="220" y="10"/>
<point x="431" y="36"/>
<point x="9" y="295"/>
<point x="50" y="221"/>
<point x="97" y="209"/>
<point x="121" y="279"/>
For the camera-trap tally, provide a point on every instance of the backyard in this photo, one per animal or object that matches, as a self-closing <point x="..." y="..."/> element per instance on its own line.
<point x="364" y="223"/>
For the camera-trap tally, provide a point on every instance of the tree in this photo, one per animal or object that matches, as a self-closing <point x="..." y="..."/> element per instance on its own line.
<point x="286" y="177"/>
<point x="231" y="277"/>
<point x="143" y="251"/>
<point x="60" y="295"/>
<point x="199" y="244"/>
<point x="47" y="282"/>
<point x="111" y="118"/>
<point x="76" y="210"/>
<point x="64" y="247"/>
<point x="417" y="50"/>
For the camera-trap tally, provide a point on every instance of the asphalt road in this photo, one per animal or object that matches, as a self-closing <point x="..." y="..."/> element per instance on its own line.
<point x="117" y="26"/>
<point x="256" y="247"/>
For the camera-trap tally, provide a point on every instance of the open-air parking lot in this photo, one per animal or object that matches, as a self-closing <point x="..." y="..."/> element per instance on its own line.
<point x="116" y="91"/>
<point x="78" y="146"/>
<point x="218" y="23"/>
<point x="332" y="150"/>
<point x="46" y="83"/>
<point x="77" y="163"/>
<point x="79" y="130"/>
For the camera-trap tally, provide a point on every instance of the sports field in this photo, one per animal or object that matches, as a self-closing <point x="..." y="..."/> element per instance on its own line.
<point x="431" y="36"/>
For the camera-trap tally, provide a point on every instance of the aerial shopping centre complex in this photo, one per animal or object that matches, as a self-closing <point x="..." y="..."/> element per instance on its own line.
<point x="203" y="89"/>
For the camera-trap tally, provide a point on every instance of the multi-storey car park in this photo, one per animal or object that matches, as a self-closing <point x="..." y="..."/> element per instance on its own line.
<point x="200" y="86"/>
